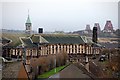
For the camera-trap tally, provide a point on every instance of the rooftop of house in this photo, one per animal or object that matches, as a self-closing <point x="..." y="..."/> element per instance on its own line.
<point x="14" y="37"/>
<point x="18" y="40"/>
<point x="11" y="70"/>
<point x="4" y="41"/>
<point x="27" y="42"/>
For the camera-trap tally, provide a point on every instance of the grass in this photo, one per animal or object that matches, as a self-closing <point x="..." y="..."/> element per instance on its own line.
<point x="51" y="72"/>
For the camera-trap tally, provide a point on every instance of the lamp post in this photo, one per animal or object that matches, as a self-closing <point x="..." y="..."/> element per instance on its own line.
<point x="55" y="64"/>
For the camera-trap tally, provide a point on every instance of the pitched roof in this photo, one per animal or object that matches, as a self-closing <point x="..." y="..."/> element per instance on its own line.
<point x="27" y="42"/>
<point x="11" y="70"/>
<point x="97" y="45"/>
<point x="14" y="70"/>
<point x="35" y="38"/>
<point x="58" y="39"/>
<point x="14" y="37"/>
<point x="63" y="39"/>
<point x="5" y="41"/>
<point x="87" y="40"/>
<point x="46" y="38"/>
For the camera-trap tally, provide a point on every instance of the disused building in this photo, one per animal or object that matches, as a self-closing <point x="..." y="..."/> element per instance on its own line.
<point x="56" y="43"/>
<point x="44" y="44"/>
<point x="39" y="45"/>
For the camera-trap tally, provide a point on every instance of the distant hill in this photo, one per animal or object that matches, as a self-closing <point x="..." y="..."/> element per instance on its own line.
<point x="15" y="31"/>
<point x="83" y="33"/>
<point x="101" y="34"/>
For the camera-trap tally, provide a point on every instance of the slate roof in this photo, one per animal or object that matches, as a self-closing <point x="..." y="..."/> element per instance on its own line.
<point x="5" y="41"/>
<point x="35" y="38"/>
<point x="97" y="45"/>
<point x="60" y="39"/>
<point x="46" y="38"/>
<point x="87" y="40"/>
<point x="63" y="39"/>
<point x="14" y="37"/>
<point x="27" y="42"/>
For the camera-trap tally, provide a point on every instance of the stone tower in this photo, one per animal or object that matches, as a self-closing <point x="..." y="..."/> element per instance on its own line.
<point x="28" y="25"/>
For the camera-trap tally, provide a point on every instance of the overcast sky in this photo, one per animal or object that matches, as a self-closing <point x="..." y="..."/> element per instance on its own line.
<point x="59" y="15"/>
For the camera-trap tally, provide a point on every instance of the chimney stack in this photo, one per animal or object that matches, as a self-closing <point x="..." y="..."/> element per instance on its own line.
<point x="98" y="27"/>
<point x="94" y="38"/>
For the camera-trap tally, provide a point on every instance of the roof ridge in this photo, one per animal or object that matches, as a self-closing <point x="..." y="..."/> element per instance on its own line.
<point x="57" y="34"/>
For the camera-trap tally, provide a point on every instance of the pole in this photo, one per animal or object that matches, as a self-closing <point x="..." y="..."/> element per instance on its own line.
<point x="55" y="64"/>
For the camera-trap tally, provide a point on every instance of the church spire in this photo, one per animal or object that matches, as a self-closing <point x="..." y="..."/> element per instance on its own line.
<point x="28" y="18"/>
<point x="28" y="25"/>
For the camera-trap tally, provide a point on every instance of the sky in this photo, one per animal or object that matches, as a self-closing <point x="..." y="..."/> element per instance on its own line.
<point x="58" y="15"/>
<point x="119" y="15"/>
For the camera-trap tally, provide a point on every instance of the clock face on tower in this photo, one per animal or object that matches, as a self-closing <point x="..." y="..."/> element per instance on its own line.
<point x="28" y="24"/>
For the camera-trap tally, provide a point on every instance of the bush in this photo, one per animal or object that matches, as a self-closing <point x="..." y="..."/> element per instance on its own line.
<point x="65" y="57"/>
<point x="51" y="61"/>
<point x="61" y="58"/>
<point x="44" y="63"/>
